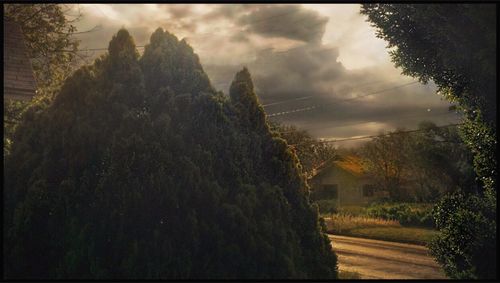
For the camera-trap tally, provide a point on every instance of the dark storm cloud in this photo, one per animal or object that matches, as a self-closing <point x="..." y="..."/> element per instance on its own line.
<point x="288" y="21"/>
<point x="310" y="75"/>
<point x="179" y="11"/>
<point x="316" y="93"/>
<point x="308" y="70"/>
<point x="238" y="37"/>
<point x="298" y="71"/>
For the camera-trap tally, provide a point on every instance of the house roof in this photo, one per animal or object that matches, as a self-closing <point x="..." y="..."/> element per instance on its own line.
<point x="19" y="80"/>
<point x="351" y="163"/>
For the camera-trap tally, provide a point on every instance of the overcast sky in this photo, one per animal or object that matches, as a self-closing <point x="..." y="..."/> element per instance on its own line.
<point x="308" y="61"/>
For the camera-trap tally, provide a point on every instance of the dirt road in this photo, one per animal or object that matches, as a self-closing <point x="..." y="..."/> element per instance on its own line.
<point x="374" y="259"/>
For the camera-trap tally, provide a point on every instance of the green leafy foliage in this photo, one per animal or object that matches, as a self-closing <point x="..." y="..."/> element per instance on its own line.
<point x="406" y="214"/>
<point x="386" y="160"/>
<point x="420" y="166"/>
<point x="327" y="206"/>
<point x="455" y="46"/>
<point x="481" y="140"/>
<point x="49" y="40"/>
<point x="310" y="152"/>
<point x="138" y="169"/>
<point x="440" y="162"/>
<point x="467" y="242"/>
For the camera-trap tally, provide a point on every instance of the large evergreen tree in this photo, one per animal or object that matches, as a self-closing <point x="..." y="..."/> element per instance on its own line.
<point x="139" y="169"/>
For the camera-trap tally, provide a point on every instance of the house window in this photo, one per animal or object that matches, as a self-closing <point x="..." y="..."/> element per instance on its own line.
<point x="368" y="190"/>
<point x="330" y="191"/>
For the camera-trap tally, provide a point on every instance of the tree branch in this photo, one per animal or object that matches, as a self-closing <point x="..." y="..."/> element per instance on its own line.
<point x="44" y="7"/>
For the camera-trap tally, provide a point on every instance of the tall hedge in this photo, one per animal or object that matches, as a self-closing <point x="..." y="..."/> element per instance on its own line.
<point x="139" y="169"/>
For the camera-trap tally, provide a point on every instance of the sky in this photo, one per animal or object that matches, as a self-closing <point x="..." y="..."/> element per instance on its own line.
<point x="319" y="67"/>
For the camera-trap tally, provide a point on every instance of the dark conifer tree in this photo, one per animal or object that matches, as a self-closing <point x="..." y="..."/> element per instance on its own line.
<point x="139" y="169"/>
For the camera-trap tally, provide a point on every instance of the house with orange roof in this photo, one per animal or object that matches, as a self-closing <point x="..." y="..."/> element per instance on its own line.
<point x="345" y="181"/>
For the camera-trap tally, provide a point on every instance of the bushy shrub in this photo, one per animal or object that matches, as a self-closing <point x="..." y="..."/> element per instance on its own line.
<point x="406" y="214"/>
<point x="327" y="206"/>
<point x="466" y="244"/>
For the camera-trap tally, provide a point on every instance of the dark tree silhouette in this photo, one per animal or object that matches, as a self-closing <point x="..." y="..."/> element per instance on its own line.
<point x="139" y="169"/>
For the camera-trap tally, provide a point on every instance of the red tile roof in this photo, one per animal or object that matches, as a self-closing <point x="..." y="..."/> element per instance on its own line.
<point x="19" y="81"/>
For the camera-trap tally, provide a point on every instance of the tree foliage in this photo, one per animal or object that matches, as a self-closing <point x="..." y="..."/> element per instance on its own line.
<point x="420" y="166"/>
<point x="49" y="39"/>
<point x="467" y="242"/>
<point x="455" y="46"/>
<point x="310" y="152"/>
<point x="134" y="172"/>
<point x="440" y="162"/>
<point x="386" y="160"/>
<point x="52" y="48"/>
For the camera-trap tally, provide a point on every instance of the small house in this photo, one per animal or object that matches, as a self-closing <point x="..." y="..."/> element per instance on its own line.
<point x="344" y="181"/>
<point x="18" y="78"/>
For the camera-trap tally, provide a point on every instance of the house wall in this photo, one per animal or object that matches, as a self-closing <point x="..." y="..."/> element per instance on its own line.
<point x="350" y="187"/>
<point x="19" y="80"/>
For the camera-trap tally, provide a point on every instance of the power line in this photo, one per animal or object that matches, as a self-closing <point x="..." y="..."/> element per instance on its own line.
<point x="318" y="106"/>
<point x="288" y="100"/>
<point x="336" y="102"/>
<point x="375" y="136"/>
<point x="311" y="96"/>
<point x="360" y="123"/>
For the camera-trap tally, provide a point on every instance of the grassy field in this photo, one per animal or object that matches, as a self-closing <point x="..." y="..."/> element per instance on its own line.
<point x="354" y="210"/>
<point x="410" y="235"/>
<point x="344" y="222"/>
<point x="408" y="214"/>
<point x="377" y="228"/>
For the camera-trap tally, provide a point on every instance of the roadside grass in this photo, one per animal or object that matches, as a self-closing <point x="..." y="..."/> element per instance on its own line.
<point x="408" y="214"/>
<point x="410" y="235"/>
<point x="377" y="228"/>
<point x="344" y="222"/>
<point x="354" y="210"/>
<point x="343" y="275"/>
